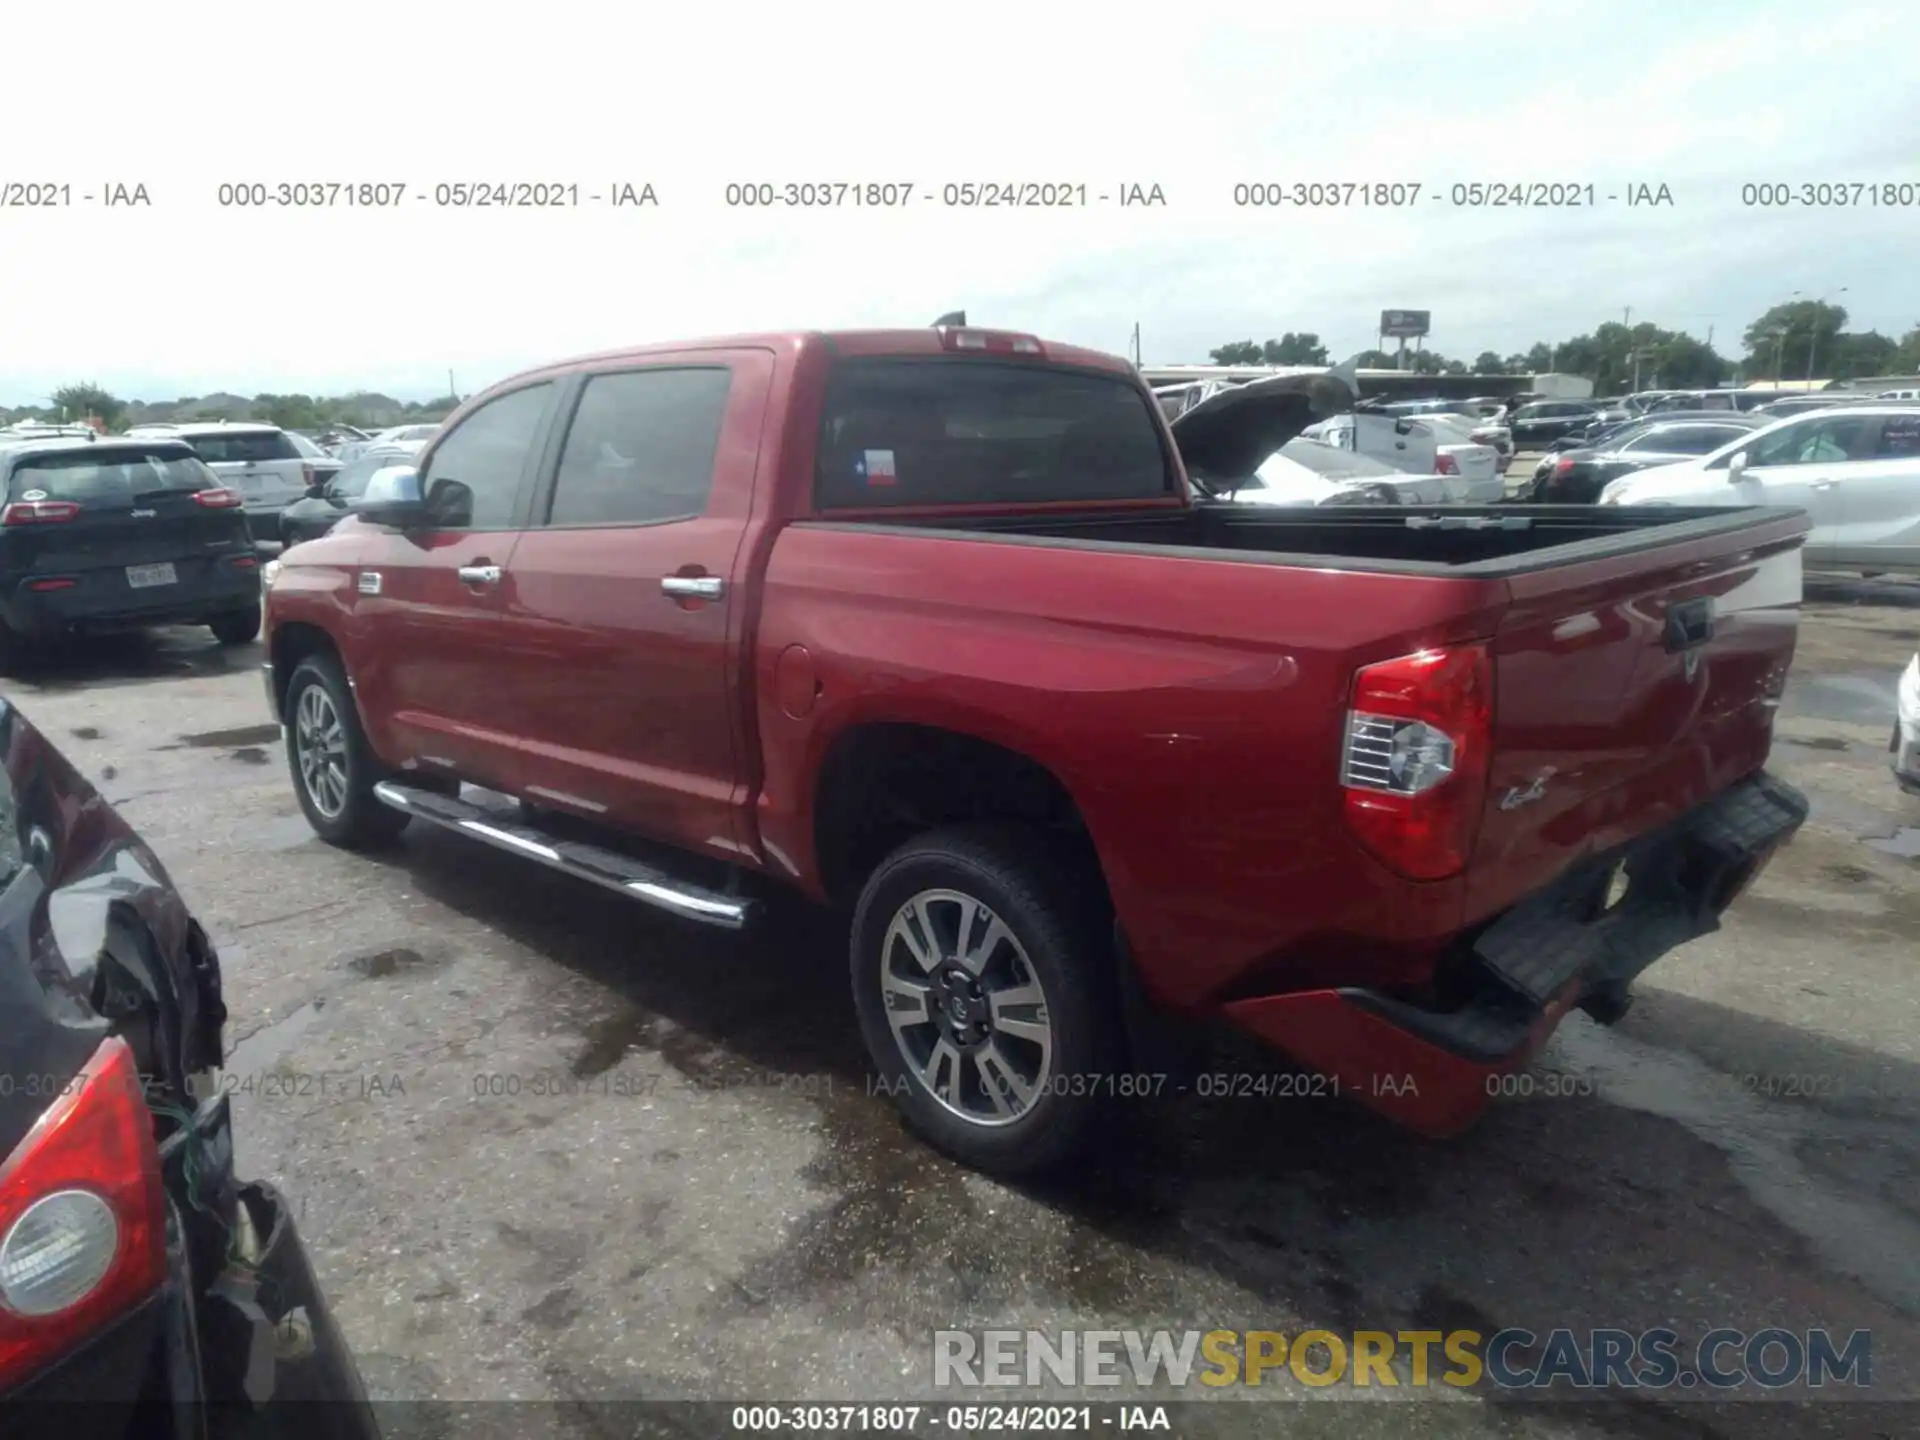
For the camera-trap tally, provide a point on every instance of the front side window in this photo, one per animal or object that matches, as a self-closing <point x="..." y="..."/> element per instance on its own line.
<point x="961" y="431"/>
<point x="472" y="479"/>
<point x="1821" y="440"/>
<point x="641" y="447"/>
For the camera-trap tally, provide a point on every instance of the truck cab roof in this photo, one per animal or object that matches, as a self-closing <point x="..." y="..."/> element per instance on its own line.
<point x="849" y="343"/>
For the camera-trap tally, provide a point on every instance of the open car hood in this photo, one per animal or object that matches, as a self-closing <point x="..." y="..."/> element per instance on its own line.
<point x="1226" y="436"/>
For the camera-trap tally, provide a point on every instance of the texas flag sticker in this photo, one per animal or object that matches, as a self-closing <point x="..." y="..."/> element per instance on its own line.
<point x="879" y="468"/>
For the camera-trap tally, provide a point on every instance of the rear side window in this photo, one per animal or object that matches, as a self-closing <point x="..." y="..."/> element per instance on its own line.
<point x="246" y="447"/>
<point x="641" y="447"/>
<point x="1899" y="438"/>
<point x="108" y="478"/>
<point x="944" y="432"/>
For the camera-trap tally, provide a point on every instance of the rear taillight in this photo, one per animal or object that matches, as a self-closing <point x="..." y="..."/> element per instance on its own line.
<point x="1445" y="465"/>
<point x="218" y="497"/>
<point x="82" y="1216"/>
<point x="1563" y="465"/>
<point x="306" y="476"/>
<point x="38" y="512"/>
<point x="1415" y="769"/>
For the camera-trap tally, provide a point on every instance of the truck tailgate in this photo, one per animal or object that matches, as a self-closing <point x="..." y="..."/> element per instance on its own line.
<point x="1627" y="691"/>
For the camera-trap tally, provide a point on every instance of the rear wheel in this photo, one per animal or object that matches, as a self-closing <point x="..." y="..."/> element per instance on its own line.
<point x="977" y="975"/>
<point x="236" y="627"/>
<point x="334" y="768"/>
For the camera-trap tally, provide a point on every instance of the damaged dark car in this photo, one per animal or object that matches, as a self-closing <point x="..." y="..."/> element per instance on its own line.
<point x="145" y="1290"/>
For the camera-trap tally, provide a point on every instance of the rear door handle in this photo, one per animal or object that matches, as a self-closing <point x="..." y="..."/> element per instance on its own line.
<point x="480" y="574"/>
<point x="1823" y="484"/>
<point x="693" y="587"/>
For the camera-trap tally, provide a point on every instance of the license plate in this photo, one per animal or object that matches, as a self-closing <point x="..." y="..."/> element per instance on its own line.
<point x="140" y="577"/>
<point x="250" y="484"/>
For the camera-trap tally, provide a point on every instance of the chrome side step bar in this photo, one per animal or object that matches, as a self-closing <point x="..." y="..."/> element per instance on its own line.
<point x="633" y="878"/>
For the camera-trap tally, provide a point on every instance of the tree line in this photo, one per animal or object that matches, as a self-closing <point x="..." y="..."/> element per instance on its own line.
<point x="1794" y="340"/>
<point x="366" y="410"/>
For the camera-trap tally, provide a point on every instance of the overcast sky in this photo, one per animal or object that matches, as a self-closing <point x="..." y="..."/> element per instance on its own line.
<point x="186" y="297"/>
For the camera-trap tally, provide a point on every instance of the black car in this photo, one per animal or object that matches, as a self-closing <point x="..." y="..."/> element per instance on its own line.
<point x="1578" y="476"/>
<point x="1545" y="421"/>
<point x="331" y="501"/>
<point x="145" y="1290"/>
<point x="1603" y="433"/>
<point x="322" y="464"/>
<point x="104" y="534"/>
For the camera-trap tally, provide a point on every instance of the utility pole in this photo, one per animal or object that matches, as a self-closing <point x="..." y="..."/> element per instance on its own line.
<point x="450" y="386"/>
<point x="1813" y="330"/>
<point x="1626" y="316"/>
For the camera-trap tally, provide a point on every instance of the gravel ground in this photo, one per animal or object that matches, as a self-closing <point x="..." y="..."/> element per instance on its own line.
<point x="720" y="1209"/>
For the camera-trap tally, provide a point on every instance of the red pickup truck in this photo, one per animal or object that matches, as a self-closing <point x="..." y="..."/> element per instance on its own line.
<point x="952" y="625"/>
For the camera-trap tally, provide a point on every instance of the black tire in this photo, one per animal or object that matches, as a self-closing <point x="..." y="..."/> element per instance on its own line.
<point x="236" y="627"/>
<point x="357" y="821"/>
<point x="1057" y="917"/>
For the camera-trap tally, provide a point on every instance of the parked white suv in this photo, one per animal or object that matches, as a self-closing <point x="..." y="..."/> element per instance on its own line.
<point x="1855" y="470"/>
<point x="260" y="461"/>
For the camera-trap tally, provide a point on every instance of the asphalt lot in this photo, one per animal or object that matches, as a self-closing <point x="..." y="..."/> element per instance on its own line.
<point x="722" y="1210"/>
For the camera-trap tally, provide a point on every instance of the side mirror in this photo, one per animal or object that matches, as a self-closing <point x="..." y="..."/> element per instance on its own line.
<point x="393" y="498"/>
<point x="1737" y="467"/>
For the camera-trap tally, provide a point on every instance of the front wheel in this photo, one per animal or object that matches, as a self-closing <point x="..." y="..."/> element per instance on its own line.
<point x="236" y="627"/>
<point x="978" y="975"/>
<point x="334" y="768"/>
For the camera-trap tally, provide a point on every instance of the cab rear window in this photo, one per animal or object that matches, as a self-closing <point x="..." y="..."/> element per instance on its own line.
<point x="245" y="447"/>
<point x="114" y="477"/>
<point x="953" y="431"/>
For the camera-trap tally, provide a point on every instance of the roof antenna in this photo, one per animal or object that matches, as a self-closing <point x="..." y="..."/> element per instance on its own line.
<point x="952" y="317"/>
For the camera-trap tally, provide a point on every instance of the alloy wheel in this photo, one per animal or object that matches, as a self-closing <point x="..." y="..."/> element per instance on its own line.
<point x="966" y="1007"/>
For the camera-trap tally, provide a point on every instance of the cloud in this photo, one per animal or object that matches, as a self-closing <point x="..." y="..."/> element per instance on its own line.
<point x="192" y="295"/>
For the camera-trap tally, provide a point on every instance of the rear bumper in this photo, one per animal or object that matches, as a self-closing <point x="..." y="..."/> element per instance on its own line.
<point x="1434" y="1068"/>
<point x="103" y="599"/>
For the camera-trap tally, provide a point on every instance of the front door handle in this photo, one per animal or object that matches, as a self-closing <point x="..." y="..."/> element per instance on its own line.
<point x="480" y="574"/>
<point x="693" y="587"/>
<point x="1823" y="484"/>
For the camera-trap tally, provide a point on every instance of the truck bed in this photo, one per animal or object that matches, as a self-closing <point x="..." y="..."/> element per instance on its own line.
<point x="1466" y="540"/>
<point x="1148" y="658"/>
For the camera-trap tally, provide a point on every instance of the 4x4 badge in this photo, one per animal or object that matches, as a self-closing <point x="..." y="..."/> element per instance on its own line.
<point x="369" y="582"/>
